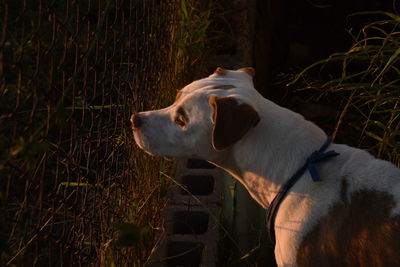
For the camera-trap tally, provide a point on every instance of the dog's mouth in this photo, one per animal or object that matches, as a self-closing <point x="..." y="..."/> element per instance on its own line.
<point x="138" y="139"/>
<point x="146" y="148"/>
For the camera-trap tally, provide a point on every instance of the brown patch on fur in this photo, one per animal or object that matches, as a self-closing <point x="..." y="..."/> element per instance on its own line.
<point x="231" y="121"/>
<point x="249" y="70"/>
<point x="356" y="232"/>
<point x="224" y="86"/>
<point x="220" y="71"/>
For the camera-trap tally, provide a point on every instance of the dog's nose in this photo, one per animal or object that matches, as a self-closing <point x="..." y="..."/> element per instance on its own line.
<point x="136" y="121"/>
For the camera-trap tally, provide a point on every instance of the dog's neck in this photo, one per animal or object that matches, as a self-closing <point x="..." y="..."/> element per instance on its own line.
<point x="290" y="141"/>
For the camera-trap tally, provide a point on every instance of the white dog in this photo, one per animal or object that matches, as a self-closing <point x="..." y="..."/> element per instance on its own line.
<point x="351" y="217"/>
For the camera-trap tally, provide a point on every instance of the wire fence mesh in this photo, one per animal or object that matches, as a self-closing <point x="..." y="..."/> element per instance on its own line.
<point x="71" y="73"/>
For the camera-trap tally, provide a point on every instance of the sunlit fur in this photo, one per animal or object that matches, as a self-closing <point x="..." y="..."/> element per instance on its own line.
<point x="267" y="156"/>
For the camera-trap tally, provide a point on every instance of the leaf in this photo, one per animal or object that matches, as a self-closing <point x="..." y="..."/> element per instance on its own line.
<point x="127" y="228"/>
<point x="76" y="184"/>
<point x="389" y="14"/>
<point x="130" y="234"/>
<point x="127" y="240"/>
<point x="184" y="9"/>
<point x="390" y="61"/>
<point x="15" y="150"/>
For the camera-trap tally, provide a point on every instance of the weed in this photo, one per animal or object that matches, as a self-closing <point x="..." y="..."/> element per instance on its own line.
<point x="71" y="74"/>
<point x="366" y="79"/>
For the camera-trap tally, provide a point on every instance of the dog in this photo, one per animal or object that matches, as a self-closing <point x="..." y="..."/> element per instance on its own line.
<point x="351" y="217"/>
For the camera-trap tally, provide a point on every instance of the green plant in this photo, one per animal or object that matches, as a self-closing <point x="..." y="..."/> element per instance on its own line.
<point x="198" y="35"/>
<point x="71" y="74"/>
<point x="366" y="78"/>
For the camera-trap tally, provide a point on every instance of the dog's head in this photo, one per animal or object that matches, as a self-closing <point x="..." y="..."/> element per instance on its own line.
<point x="208" y="116"/>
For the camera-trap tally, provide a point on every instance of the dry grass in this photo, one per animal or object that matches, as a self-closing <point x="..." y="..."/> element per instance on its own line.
<point x="71" y="74"/>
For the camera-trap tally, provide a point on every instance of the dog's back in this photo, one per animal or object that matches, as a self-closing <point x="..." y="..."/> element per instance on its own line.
<point x="362" y="228"/>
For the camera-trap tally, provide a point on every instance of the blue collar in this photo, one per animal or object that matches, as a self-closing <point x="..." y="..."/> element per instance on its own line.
<point x="316" y="156"/>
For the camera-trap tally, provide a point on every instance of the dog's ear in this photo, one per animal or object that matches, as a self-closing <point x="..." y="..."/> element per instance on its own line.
<point x="220" y="71"/>
<point x="249" y="70"/>
<point x="231" y="121"/>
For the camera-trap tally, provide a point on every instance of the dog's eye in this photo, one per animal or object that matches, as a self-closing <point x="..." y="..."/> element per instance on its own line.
<point x="180" y="118"/>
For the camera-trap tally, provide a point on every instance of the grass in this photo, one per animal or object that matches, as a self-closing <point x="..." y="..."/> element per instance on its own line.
<point x="199" y="35"/>
<point x="74" y="187"/>
<point x="366" y="81"/>
<point x="190" y="49"/>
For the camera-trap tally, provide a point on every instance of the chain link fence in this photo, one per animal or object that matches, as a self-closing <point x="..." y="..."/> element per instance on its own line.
<point x="71" y="73"/>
